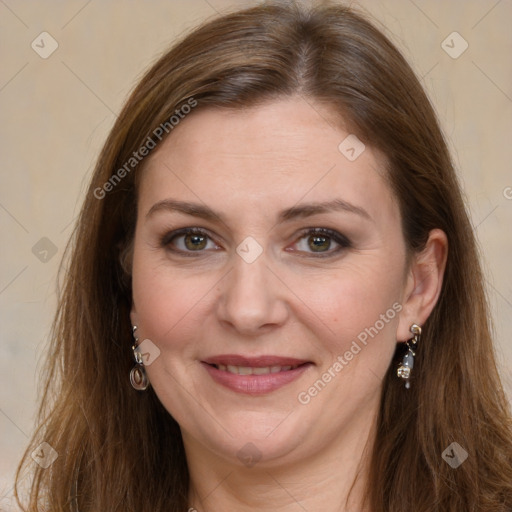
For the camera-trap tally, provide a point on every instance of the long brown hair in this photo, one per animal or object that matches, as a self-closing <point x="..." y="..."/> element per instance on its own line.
<point x="119" y="450"/>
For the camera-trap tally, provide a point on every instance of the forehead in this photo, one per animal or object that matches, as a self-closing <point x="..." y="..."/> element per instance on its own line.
<point x="272" y="155"/>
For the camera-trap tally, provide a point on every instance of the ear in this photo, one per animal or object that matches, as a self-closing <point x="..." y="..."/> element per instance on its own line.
<point x="423" y="283"/>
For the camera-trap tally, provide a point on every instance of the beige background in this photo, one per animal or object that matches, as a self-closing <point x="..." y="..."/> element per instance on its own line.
<point x="57" y="111"/>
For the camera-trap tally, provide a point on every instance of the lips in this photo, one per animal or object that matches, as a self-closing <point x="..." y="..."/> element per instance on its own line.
<point x="254" y="375"/>
<point x="249" y="370"/>
<point x="254" y="362"/>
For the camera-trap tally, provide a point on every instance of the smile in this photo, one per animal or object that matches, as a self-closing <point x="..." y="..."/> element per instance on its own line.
<point x="254" y="376"/>
<point x="247" y="370"/>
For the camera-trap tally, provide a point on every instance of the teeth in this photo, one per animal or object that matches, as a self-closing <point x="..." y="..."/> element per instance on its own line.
<point x="261" y="371"/>
<point x="247" y="370"/>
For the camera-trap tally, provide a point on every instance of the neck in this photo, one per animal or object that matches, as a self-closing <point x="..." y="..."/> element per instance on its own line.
<point x="332" y="479"/>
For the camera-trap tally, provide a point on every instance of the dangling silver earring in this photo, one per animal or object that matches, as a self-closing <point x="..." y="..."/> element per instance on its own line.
<point x="138" y="378"/>
<point x="405" y="369"/>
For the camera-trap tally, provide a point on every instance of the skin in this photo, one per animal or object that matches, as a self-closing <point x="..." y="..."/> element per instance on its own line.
<point x="249" y="165"/>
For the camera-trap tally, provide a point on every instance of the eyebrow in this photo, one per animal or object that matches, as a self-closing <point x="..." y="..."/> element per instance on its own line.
<point x="298" y="211"/>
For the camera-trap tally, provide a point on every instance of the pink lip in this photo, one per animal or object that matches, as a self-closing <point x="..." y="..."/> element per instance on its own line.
<point x="254" y="384"/>
<point x="254" y="362"/>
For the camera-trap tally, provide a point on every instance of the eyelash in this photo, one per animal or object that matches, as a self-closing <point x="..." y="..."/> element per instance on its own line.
<point x="341" y="240"/>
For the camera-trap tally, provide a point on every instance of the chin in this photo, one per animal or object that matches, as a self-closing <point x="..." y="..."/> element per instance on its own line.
<point x="268" y="439"/>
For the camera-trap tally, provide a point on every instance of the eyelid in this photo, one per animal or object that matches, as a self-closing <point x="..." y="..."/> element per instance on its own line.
<point x="166" y="239"/>
<point x="342" y="241"/>
<point x="183" y="231"/>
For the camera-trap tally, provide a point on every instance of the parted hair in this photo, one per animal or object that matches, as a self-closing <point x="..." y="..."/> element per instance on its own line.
<point x="121" y="451"/>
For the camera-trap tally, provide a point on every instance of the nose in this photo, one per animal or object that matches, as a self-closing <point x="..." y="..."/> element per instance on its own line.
<point x="253" y="298"/>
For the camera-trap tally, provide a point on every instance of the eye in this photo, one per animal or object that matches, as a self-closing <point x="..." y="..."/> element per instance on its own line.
<point x="188" y="240"/>
<point x="321" y="240"/>
<point x="318" y="241"/>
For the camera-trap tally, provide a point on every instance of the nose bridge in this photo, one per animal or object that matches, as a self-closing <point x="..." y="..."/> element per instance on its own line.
<point x="251" y="298"/>
<point x="251" y="277"/>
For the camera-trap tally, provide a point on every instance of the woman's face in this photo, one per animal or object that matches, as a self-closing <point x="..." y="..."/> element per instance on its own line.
<point x="269" y="270"/>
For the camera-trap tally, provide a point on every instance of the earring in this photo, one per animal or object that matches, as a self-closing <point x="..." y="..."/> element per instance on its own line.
<point x="405" y="369"/>
<point x="138" y="377"/>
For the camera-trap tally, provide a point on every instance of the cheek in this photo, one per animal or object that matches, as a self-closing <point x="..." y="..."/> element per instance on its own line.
<point x="352" y="299"/>
<point x="170" y="311"/>
<point x="166" y="304"/>
<point x="357" y="312"/>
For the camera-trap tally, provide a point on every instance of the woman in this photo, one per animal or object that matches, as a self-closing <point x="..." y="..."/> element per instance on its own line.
<point x="273" y="299"/>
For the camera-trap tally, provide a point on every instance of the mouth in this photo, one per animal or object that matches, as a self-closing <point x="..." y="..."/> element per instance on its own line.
<point x="256" y="370"/>
<point x="254" y="375"/>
